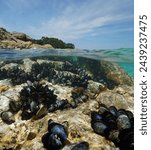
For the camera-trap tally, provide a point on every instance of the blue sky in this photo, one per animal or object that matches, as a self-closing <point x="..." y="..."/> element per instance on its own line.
<point x="89" y="24"/>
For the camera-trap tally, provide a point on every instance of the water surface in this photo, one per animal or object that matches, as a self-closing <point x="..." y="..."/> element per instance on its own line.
<point x="124" y="56"/>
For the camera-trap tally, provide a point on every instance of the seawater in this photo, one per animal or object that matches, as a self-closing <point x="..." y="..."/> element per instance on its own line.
<point x="123" y="56"/>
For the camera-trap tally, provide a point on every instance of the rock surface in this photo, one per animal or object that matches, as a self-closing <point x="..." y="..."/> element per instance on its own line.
<point x="16" y="40"/>
<point x="26" y="134"/>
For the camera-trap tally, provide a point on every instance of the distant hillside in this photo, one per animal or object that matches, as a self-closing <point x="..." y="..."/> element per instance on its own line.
<point x="17" y="40"/>
<point x="56" y="43"/>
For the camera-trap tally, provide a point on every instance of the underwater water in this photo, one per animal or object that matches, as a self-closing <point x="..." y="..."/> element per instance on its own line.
<point x="46" y="89"/>
<point x="124" y="56"/>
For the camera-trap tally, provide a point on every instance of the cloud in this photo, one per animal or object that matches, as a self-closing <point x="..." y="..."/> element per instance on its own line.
<point x="78" y="19"/>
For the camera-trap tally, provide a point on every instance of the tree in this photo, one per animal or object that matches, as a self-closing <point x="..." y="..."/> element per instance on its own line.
<point x="56" y="43"/>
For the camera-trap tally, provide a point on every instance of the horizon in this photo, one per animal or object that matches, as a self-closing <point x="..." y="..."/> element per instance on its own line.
<point x="88" y="25"/>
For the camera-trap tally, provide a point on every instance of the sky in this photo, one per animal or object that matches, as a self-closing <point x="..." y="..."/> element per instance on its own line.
<point x="88" y="24"/>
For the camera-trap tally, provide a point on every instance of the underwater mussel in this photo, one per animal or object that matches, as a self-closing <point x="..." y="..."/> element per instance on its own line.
<point x="33" y="96"/>
<point x="64" y="73"/>
<point x="14" y="106"/>
<point x="78" y="96"/>
<point x="103" y="108"/>
<point x="59" y="105"/>
<point x="56" y="136"/>
<point x="123" y="122"/>
<point x="43" y="70"/>
<point x="16" y="75"/>
<point x="81" y="146"/>
<point x="96" y="117"/>
<point x="113" y="124"/>
<point x="100" y="128"/>
<point x="113" y="110"/>
<point x="126" y="138"/>
<point x="7" y="117"/>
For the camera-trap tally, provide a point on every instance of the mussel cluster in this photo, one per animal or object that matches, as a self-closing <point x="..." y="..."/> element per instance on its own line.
<point x="78" y="96"/>
<point x="35" y="100"/>
<point x="36" y="95"/>
<point x="65" y="73"/>
<point x="115" y="125"/>
<point x="56" y="138"/>
<point x="16" y="75"/>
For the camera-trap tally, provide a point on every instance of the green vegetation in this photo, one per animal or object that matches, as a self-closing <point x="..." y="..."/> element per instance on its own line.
<point x="56" y="43"/>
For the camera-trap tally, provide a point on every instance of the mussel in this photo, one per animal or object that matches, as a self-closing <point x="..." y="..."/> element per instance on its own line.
<point x="56" y="136"/>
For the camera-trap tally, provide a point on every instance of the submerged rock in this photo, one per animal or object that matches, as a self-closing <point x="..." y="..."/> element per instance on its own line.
<point x="53" y="96"/>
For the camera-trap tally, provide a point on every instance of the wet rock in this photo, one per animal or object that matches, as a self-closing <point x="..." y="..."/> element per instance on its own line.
<point x="35" y="112"/>
<point x="4" y="103"/>
<point x="115" y="74"/>
<point x="96" y="87"/>
<point x="111" y="98"/>
<point x="3" y="88"/>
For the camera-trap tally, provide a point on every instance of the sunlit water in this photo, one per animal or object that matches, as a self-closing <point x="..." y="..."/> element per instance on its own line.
<point x="124" y="56"/>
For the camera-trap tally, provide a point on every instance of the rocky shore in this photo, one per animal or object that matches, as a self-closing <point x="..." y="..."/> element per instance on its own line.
<point x="16" y="40"/>
<point x="33" y="91"/>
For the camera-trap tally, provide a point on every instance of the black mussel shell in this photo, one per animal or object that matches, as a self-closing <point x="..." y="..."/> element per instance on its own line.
<point x="34" y="107"/>
<point x="61" y="104"/>
<point x="45" y="139"/>
<point x="7" y="117"/>
<point x="109" y="119"/>
<point x="51" y="141"/>
<point x="26" y="115"/>
<point x="129" y="114"/>
<point x="103" y="108"/>
<point x="81" y="146"/>
<point x="54" y="142"/>
<point x="126" y="138"/>
<point x="100" y="128"/>
<point x="113" y="110"/>
<point x="123" y="122"/>
<point x="14" y="106"/>
<point x="113" y="136"/>
<point x="96" y="117"/>
<point x="73" y="104"/>
<point x="121" y="112"/>
<point x="52" y="108"/>
<point x="58" y="129"/>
